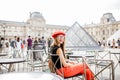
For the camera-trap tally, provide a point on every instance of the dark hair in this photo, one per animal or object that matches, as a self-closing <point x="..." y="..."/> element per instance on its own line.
<point x="15" y="36"/>
<point x="18" y="39"/>
<point x="7" y="44"/>
<point x="42" y="37"/>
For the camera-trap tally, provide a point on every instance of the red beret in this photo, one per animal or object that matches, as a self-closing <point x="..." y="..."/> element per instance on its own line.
<point x="55" y="34"/>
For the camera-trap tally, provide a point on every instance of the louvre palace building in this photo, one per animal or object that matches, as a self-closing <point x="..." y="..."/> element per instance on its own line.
<point x="103" y="30"/>
<point x="36" y="26"/>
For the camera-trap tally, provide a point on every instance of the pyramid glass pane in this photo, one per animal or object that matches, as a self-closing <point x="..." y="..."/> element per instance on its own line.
<point x="78" y="38"/>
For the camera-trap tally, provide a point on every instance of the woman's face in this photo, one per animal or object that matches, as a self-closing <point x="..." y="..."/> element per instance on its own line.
<point x="60" y="39"/>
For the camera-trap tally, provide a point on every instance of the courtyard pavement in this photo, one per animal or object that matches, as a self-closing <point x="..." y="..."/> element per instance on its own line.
<point x="24" y="67"/>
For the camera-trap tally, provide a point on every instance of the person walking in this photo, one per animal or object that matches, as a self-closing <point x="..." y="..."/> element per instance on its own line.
<point x="43" y="41"/>
<point x="29" y="43"/>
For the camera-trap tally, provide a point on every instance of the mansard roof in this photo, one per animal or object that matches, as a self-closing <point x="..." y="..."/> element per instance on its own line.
<point x="57" y="26"/>
<point x="36" y="15"/>
<point x="12" y="23"/>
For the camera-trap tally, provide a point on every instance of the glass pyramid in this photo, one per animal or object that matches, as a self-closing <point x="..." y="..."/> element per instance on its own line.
<point x="78" y="38"/>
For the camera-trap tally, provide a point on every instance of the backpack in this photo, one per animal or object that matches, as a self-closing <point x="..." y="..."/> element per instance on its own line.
<point x="0" y="45"/>
<point x="12" y="44"/>
<point x="22" y="46"/>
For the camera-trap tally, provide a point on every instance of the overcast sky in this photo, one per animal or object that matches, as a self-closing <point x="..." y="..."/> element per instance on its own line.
<point x="59" y="12"/>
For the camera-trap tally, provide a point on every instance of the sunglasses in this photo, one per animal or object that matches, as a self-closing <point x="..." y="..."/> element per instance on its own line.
<point x="60" y="36"/>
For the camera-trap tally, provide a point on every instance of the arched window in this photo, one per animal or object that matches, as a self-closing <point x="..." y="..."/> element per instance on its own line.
<point x="103" y="32"/>
<point x="116" y="29"/>
<point x="108" y="32"/>
<point x="96" y="32"/>
<point x="108" y="19"/>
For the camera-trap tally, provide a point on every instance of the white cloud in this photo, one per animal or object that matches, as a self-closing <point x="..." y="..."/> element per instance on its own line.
<point x="61" y="12"/>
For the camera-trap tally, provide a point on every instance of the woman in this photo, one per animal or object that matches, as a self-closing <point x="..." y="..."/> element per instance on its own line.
<point x="18" y="47"/>
<point x="69" y="69"/>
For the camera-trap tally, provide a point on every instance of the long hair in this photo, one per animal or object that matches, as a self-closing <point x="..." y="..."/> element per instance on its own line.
<point x="62" y="46"/>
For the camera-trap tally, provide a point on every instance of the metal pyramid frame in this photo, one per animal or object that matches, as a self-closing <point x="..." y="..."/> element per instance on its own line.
<point x="78" y="38"/>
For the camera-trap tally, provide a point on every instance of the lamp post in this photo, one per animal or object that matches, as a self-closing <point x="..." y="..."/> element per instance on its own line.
<point x="4" y="29"/>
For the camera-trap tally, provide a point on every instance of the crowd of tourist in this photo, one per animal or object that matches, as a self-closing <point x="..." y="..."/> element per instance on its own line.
<point x="110" y="43"/>
<point x="19" y="45"/>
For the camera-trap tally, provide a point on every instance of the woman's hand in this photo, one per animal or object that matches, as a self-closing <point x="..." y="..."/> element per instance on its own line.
<point x="71" y="62"/>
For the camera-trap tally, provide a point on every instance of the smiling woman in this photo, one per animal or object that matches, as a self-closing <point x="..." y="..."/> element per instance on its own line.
<point x="69" y="68"/>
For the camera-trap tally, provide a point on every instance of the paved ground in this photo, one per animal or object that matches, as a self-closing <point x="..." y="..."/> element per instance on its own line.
<point x="24" y="67"/>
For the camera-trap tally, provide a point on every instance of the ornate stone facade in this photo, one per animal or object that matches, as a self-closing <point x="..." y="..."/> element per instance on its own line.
<point x="35" y="26"/>
<point x="107" y="27"/>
